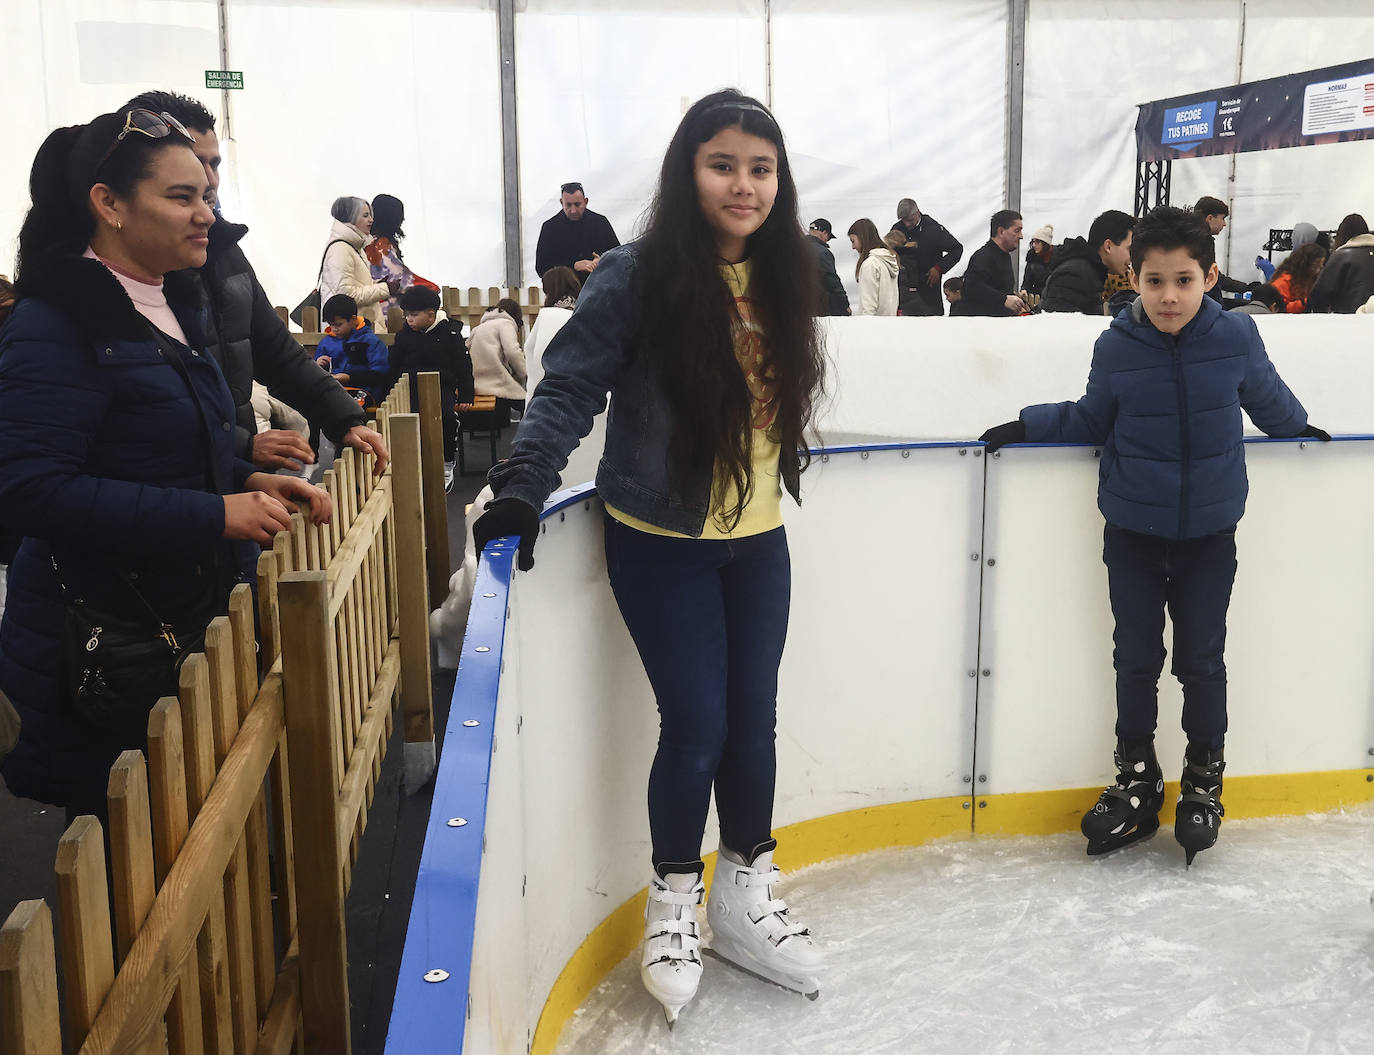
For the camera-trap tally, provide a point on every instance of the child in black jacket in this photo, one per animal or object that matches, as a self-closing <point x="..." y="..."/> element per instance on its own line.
<point x="431" y="341"/>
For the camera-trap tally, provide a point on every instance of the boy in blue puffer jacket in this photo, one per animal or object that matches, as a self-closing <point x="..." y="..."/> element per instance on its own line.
<point x="351" y="351"/>
<point x="1169" y="379"/>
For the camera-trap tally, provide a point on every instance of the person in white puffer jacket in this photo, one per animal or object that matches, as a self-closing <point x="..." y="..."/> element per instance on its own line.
<point x="876" y="271"/>
<point x="345" y="269"/>
<point x="498" y="360"/>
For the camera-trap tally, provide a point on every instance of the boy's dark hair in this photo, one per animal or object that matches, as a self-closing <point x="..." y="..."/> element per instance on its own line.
<point x="1002" y="218"/>
<point x="1268" y="296"/>
<point x="339" y="306"/>
<point x="572" y="188"/>
<point x="419" y="298"/>
<point x="1209" y="206"/>
<point x="1112" y="225"/>
<point x="190" y="112"/>
<point x="1169" y="228"/>
<point x="954" y="285"/>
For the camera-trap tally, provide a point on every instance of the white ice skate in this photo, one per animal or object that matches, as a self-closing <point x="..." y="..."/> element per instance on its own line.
<point x="754" y="931"/>
<point x="671" y="964"/>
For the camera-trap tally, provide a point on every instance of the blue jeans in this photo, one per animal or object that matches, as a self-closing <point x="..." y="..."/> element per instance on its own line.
<point x="709" y="619"/>
<point x="1193" y="577"/>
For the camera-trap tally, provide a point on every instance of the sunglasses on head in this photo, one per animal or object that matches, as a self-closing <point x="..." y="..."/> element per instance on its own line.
<point x="154" y="126"/>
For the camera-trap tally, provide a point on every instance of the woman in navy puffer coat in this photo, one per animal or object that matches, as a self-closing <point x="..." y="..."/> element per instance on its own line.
<point x="114" y="468"/>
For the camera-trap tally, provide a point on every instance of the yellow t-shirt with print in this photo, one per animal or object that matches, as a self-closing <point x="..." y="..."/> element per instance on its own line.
<point x="764" y="511"/>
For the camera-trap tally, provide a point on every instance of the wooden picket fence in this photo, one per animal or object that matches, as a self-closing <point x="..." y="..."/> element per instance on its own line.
<point x="232" y="841"/>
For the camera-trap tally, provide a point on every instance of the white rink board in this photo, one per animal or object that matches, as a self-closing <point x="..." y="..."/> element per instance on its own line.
<point x="875" y="704"/>
<point x="1300" y="630"/>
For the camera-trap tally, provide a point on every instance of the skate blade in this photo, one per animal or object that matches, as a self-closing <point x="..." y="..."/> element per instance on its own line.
<point x="799" y="989"/>
<point x="1120" y="842"/>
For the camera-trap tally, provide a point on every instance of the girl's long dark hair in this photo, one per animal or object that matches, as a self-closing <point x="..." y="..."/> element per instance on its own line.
<point x="66" y="167"/>
<point x="388" y="213"/>
<point x="688" y="314"/>
<point x="869" y="239"/>
<point x="1304" y="264"/>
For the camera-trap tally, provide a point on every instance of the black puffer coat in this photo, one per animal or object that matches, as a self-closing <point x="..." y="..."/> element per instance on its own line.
<point x="248" y="340"/>
<point x="1077" y="276"/>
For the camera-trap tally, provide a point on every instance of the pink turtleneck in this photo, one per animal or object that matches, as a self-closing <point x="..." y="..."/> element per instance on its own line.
<point x="148" y="298"/>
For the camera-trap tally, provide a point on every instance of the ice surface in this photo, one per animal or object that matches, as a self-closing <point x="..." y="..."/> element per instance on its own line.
<point x="1026" y="945"/>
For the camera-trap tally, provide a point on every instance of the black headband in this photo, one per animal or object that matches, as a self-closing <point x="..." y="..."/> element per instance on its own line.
<point x="730" y="104"/>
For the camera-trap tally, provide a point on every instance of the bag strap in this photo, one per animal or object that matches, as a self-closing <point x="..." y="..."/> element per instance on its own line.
<point x="325" y="254"/>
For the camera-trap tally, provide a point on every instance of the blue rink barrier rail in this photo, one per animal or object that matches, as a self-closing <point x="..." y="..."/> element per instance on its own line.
<point x="432" y="1003"/>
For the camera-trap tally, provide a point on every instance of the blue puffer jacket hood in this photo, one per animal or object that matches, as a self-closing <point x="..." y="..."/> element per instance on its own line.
<point x="1166" y="411"/>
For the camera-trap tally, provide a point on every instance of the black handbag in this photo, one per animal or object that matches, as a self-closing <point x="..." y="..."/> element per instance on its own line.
<point x="312" y="299"/>
<point x="118" y="665"/>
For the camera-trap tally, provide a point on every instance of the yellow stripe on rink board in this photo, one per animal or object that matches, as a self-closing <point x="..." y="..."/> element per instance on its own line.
<point x="799" y="845"/>
<point x="915" y="823"/>
<point x="1276" y="795"/>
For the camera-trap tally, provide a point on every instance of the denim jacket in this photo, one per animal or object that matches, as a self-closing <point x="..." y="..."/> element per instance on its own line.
<point x="598" y="351"/>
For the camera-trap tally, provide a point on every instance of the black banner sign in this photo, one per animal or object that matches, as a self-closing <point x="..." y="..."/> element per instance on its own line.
<point x="1331" y="105"/>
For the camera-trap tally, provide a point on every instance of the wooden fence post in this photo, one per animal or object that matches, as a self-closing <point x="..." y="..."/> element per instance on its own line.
<point x="436" y="499"/>
<point x="84" y="921"/>
<point x="409" y="519"/>
<point x="311" y="688"/>
<point x="29" y="1018"/>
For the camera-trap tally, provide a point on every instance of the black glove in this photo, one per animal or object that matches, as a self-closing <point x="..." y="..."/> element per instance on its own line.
<point x="1001" y="435"/>
<point x="1314" y="433"/>
<point x="508" y="517"/>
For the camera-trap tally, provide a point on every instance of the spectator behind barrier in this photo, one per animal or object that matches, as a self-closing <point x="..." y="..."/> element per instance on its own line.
<point x="954" y="293"/>
<point x="351" y="351"/>
<point x="1353" y="224"/>
<point x="575" y="237"/>
<point x="1038" y="257"/>
<point x="383" y="253"/>
<point x="876" y="270"/>
<point x="1347" y="281"/>
<point x="1264" y="300"/>
<point x="498" y="360"/>
<point x="1214" y="212"/>
<point x="6" y="299"/>
<point x="116" y="450"/>
<point x="561" y="287"/>
<point x="245" y="336"/>
<point x="833" y="299"/>
<point x="930" y="251"/>
<point x="431" y="341"/>
<point x="1081" y="266"/>
<point x="990" y="278"/>
<point x="1295" y="277"/>
<point x="345" y="269"/>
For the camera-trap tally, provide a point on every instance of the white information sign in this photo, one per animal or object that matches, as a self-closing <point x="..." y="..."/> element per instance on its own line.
<point x="1339" y="106"/>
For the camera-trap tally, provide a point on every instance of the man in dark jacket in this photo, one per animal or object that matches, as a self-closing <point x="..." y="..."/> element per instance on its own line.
<point x="1347" y="280"/>
<point x="930" y="252"/>
<point x="1214" y="212"/>
<point x="990" y="278"/>
<point x="1079" y="269"/>
<point x="576" y="237"/>
<point x="246" y="336"/>
<point x="833" y="299"/>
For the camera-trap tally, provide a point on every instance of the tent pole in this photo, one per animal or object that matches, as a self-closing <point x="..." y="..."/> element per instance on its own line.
<point x="510" y="146"/>
<point x="1016" y="98"/>
<point x="224" y="94"/>
<point x="1231" y="176"/>
<point x="768" y="53"/>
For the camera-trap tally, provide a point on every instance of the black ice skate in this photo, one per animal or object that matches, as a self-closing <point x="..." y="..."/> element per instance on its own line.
<point x="1198" y="818"/>
<point x="1128" y="811"/>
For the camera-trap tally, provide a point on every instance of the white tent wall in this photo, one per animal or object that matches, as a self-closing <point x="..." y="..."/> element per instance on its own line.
<point x="601" y="87"/>
<point x="68" y="60"/>
<point x="883" y="101"/>
<point x="1089" y="64"/>
<point x="399" y="97"/>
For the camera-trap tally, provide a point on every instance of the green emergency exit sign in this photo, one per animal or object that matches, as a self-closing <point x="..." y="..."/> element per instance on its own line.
<point x="223" y="78"/>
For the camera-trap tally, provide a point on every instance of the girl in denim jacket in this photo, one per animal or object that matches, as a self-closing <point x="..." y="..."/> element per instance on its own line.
<point x="703" y="332"/>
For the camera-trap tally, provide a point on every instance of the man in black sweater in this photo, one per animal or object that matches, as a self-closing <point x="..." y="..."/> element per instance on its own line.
<point x="833" y="299"/>
<point x="245" y="336"/>
<point x="576" y="237"/>
<point x="1214" y="212"/>
<point x="990" y="278"/>
<point x="930" y="251"/>
<point x="1079" y="268"/>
